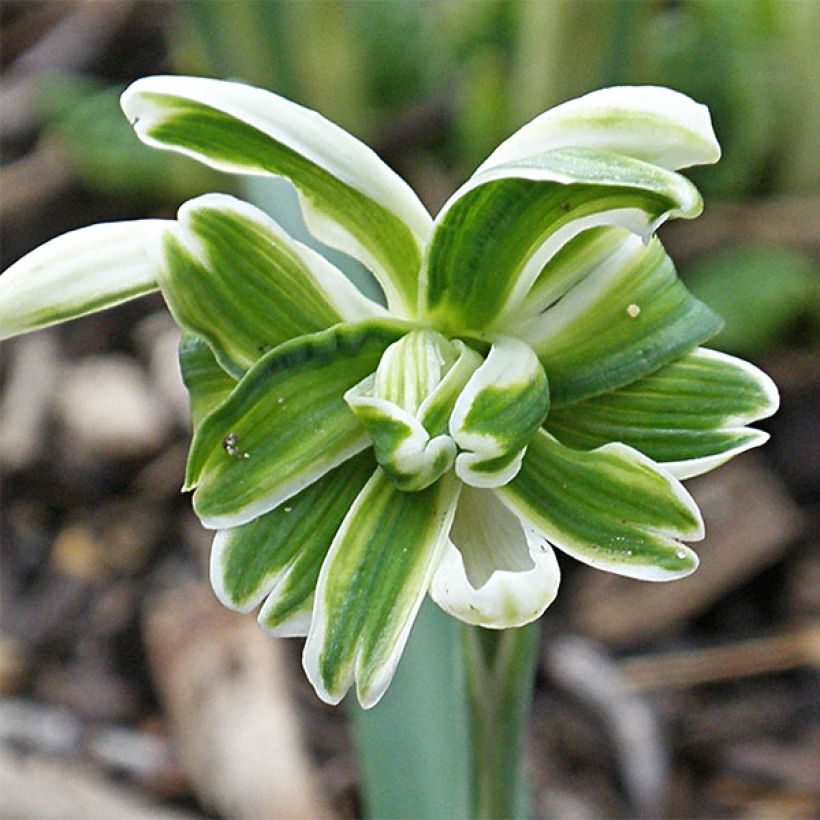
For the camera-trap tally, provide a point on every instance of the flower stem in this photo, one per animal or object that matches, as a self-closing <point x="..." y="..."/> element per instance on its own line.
<point x="500" y="671"/>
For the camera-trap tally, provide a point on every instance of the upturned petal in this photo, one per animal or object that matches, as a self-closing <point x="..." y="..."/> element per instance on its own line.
<point x="80" y="272"/>
<point x="493" y="237"/>
<point x="624" y="315"/>
<point x="611" y="508"/>
<point x="650" y="123"/>
<point x="233" y="276"/>
<point x="351" y="200"/>
<point x="689" y="416"/>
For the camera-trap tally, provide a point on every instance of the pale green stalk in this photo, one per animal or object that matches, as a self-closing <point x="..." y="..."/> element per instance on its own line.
<point x="500" y="671"/>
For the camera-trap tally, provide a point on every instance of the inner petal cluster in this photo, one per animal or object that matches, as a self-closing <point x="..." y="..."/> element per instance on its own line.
<point x="435" y="403"/>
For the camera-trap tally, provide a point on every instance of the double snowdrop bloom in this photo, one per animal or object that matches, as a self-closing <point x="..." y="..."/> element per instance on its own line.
<point x="535" y="380"/>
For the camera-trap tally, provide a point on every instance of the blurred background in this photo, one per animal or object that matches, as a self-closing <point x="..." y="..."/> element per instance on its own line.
<point x="125" y="689"/>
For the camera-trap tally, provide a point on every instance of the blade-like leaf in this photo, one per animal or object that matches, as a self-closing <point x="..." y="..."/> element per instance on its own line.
<point x="689" y="416"/>
<point x="650" y="123"/>
<point x="278" y="555"/>
<point x="207" y="383"/>
<point x="495" y="234"/>
<point x="611" y="508"/>
<point x="496" y="572"/>
<point x="371" y="586"/>
<point x="501" y="406"/>
<point x="234" y="277"/>
<point x="285" y="425"/>
<point x="80" y="272"/>
<point x="628" y="317"/>
<point x="351" y="199"/>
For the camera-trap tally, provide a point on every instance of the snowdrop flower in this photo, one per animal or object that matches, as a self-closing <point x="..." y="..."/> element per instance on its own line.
<point x="535" y="381"/>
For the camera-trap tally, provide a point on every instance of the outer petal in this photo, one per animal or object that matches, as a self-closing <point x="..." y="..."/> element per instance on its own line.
<point x="372" y="584"/>
<point x="207" y="383"/>
<point x="80" y="272"/>
<point x="627" y="317"/>
<point x="233" y="276"/>
<point x="611" y="508"/>
<point x="495" y="234"/>
<point x="285" y="425"/>
<point x="278" y="555"/>
<point x="689" y="416"/>
<point x="495" y="571"/>
<point x="650" y="123"/>
<point x="351" y="199"/>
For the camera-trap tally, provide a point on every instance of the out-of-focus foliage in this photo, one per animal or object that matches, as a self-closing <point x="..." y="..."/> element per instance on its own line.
<point x="84" y="117"/>
<point x="764" y="293"/>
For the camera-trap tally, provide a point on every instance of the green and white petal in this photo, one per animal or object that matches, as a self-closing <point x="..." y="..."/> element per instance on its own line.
<point x="612" y="508"/>
<point x="650" y="123"/>
<point x="80" y="272"/>
<point x="496" y="572"/>
<point x="689" y="416"/>
<point x="285" y="424"/>
<point x="351" y="200"/>
<point x="628" y="317"/>
<point x="406" y="403"/>
<point x="278" y="555"/>
<point x="403" y="448"/>
<point x="496" y="233"/>
<point x="207" y="383"/>
<point x="502" y="405"/>
<point x="233" y="276"/>
<point x="372" y="583"/>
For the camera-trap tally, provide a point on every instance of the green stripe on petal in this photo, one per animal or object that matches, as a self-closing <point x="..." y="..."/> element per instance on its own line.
<point x="689" y="416"/>
<point x="371" y="585"/>
<point x="501" y="406"/>
<point x="351" y="200"/>
<point x="80" y="272"/>
<point x="628" y="317"/>
<point x="495" y="234"/>
<point x="207" y="383"/>
<point x="285" y="425"/>
<point x="650" y="123"/>
<point x="278" y="555"/>
<point x="233" y="276"/>
<point x="496" y="572"/>
<point x="611" y="508"/>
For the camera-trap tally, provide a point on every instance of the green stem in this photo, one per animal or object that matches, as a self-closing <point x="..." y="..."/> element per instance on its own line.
<point x="500" y="671"/>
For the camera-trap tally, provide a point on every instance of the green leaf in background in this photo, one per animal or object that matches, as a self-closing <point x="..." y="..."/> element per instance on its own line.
<point x="763" y="293"/>
<point x="412" y="746"/>
<point x="83" y="117"/>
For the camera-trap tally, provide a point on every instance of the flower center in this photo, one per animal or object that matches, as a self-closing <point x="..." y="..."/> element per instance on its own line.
<point x="434" y="404"/>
